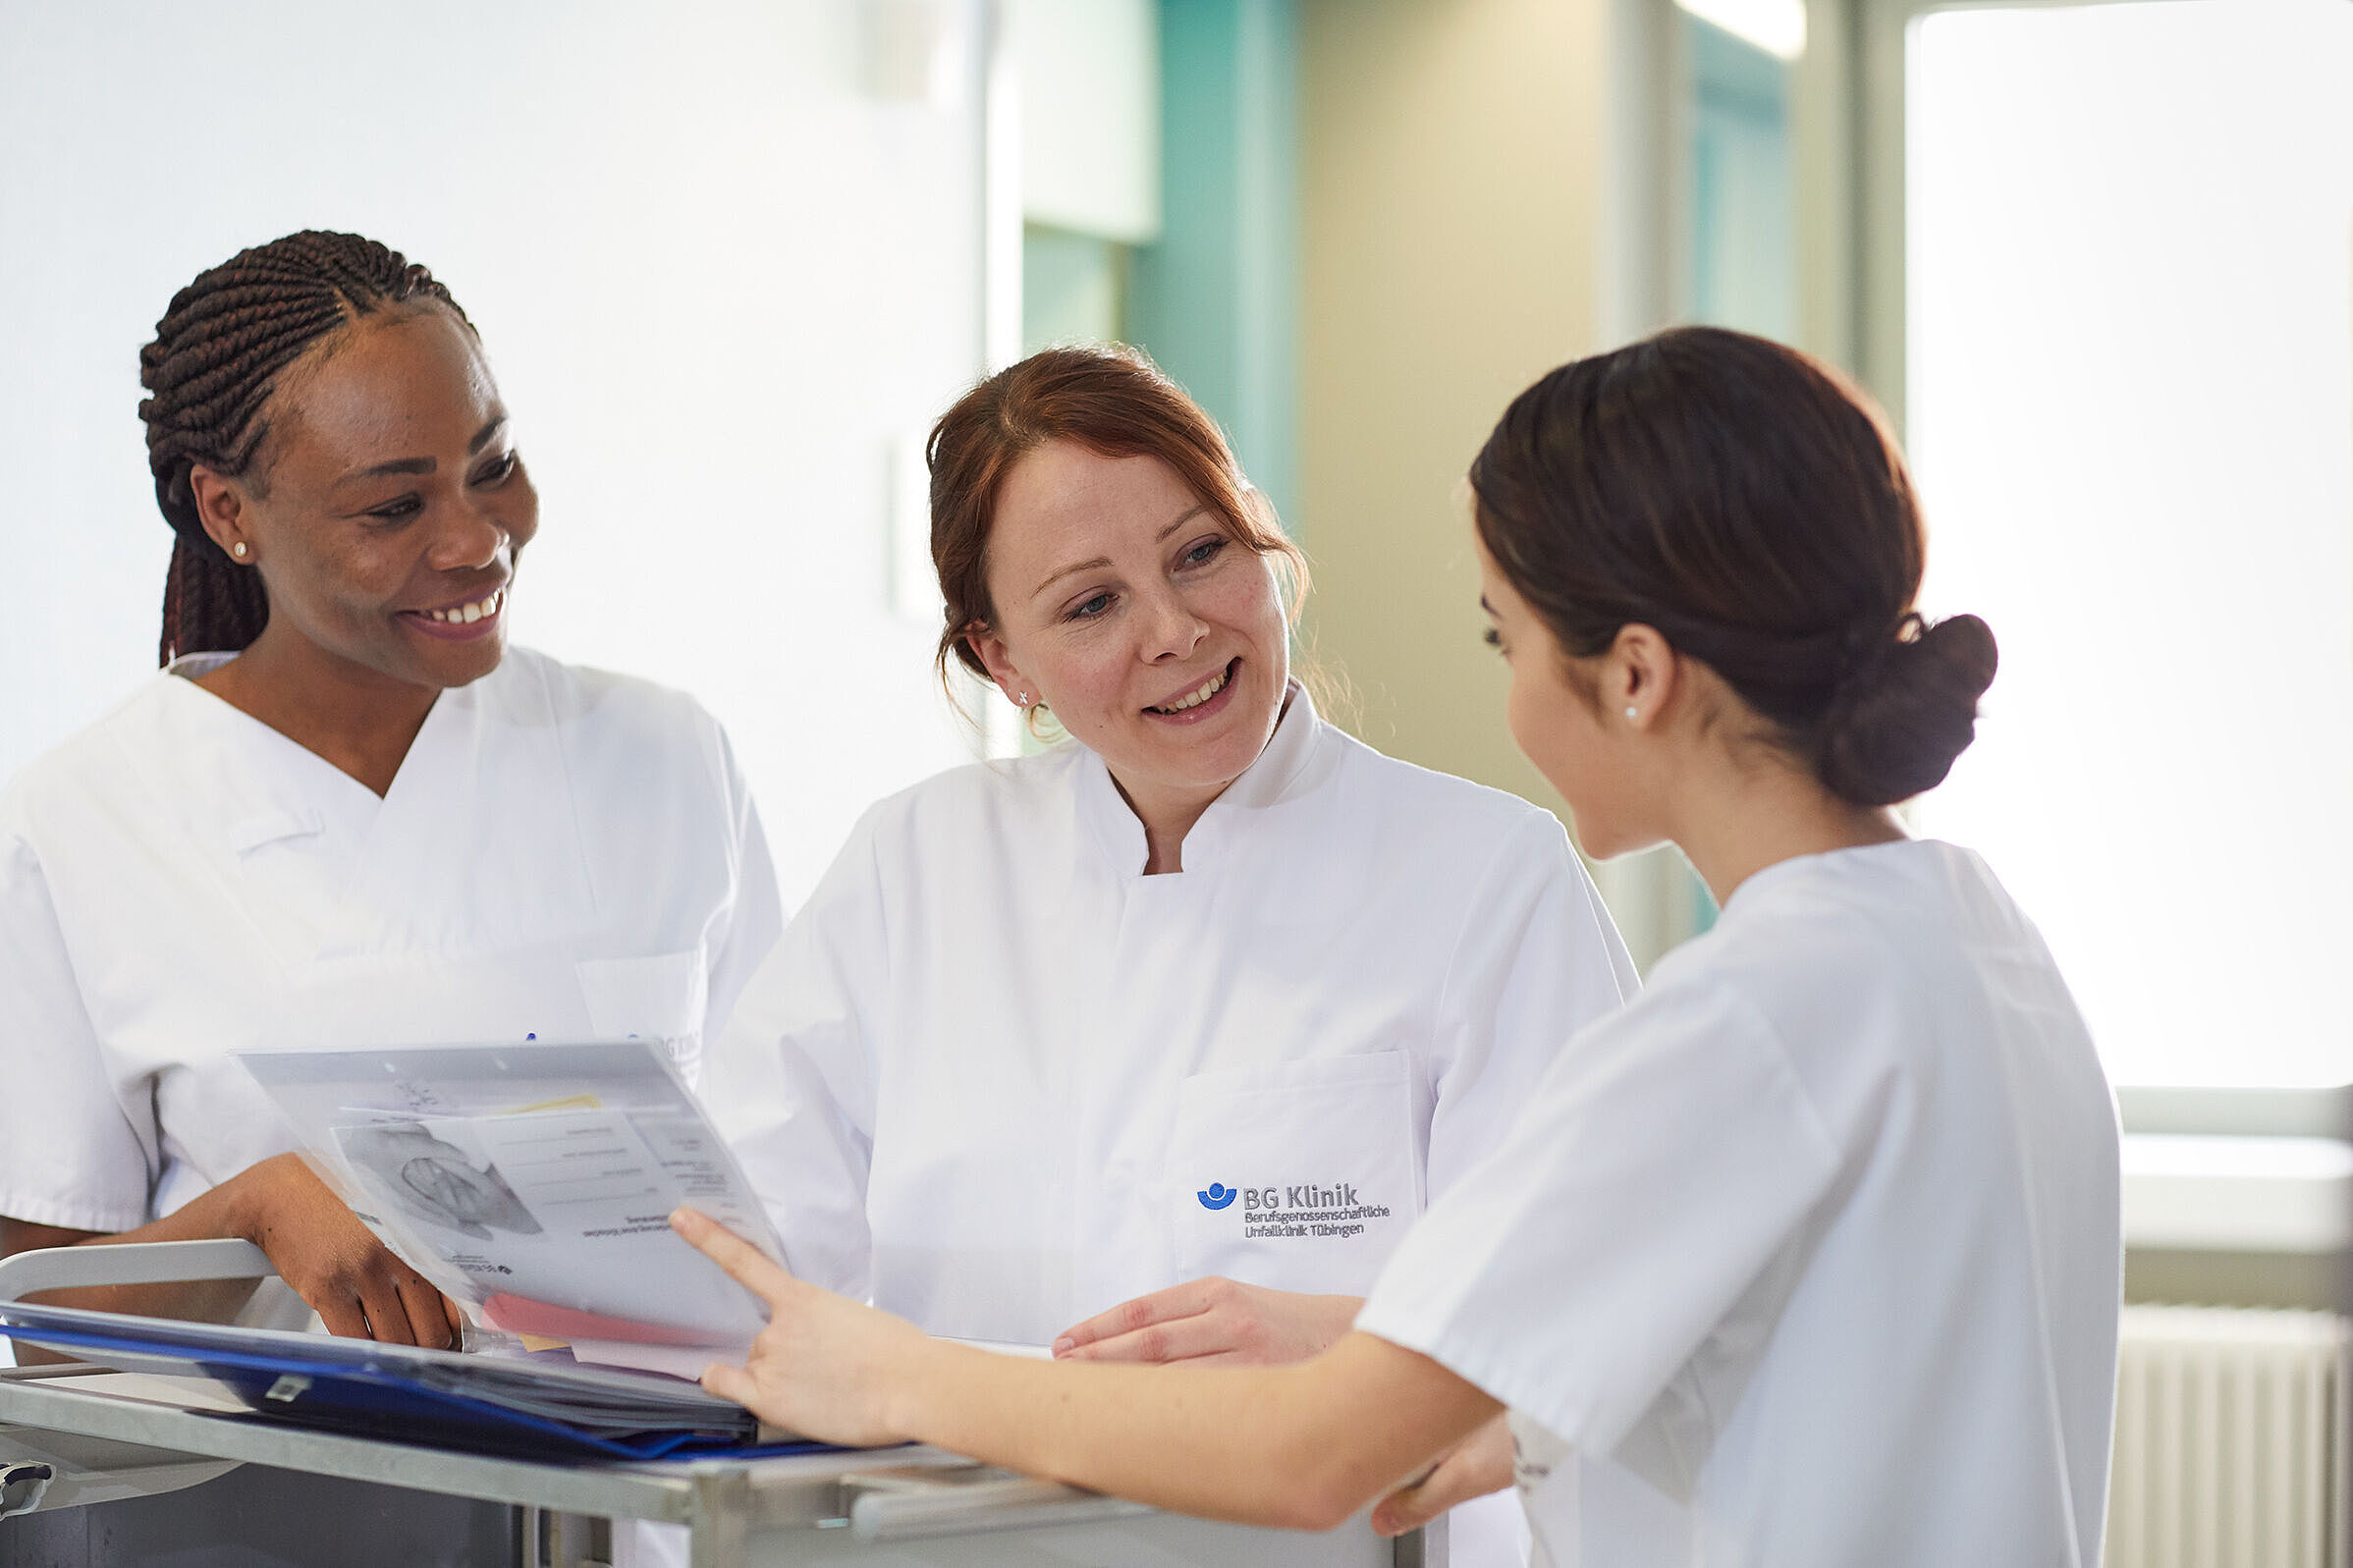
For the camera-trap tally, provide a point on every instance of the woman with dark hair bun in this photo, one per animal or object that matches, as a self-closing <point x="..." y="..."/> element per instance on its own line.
<point x="1761" y="521"/>
<point x="346" y="812"/>
<point x="1811" y="1253"/>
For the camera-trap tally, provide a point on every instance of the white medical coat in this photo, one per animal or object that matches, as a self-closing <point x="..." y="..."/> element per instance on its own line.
<point x="564" y="853"/>
<point x="1815" y="1247"/>
<point x="998" y="1079"/>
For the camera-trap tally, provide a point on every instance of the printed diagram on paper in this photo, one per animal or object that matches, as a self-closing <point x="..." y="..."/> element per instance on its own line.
<point x="533" y="1184"/>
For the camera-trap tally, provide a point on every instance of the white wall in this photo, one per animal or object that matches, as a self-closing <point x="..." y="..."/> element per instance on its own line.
<point x="725" y="257"/>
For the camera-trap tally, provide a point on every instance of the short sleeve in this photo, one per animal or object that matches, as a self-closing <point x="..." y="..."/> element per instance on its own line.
<point x="791" y="1081"/>
<point x="68" y="1153"/>
<point x="1538" y="959"/>
<point x="1668" y="1156"/>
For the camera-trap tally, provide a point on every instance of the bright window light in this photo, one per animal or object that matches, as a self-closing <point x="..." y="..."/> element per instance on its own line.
<point x="2131" y="404"/>
<point x="1776" y="27"/>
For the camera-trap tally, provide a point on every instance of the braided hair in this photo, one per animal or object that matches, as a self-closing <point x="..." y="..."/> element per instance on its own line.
<point x="209" y="373"/>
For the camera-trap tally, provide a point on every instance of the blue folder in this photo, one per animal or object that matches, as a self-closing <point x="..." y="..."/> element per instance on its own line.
<point x="537" y="1408"/>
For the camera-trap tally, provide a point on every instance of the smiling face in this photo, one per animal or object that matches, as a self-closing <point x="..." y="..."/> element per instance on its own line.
<point x="388" y="506"/>
<point x="1133" y="611"/>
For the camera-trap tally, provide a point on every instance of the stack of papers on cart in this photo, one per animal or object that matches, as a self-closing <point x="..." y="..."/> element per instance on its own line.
<point x="534" y="1183"/>
<point x="538" y="1406"/>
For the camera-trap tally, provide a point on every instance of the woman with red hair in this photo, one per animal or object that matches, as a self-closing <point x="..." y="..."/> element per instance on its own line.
<point x="1149" y="1047"/>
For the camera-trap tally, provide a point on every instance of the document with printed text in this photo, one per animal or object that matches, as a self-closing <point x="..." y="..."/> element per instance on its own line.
<point x="533" y="1184"/>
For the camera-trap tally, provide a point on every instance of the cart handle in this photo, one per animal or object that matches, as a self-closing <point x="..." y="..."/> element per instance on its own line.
<point x="130" y="1263"/>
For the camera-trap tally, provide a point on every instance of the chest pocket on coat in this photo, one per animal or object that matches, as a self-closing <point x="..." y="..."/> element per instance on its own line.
<point x="659" y="997"/>
<point x="1299" y="1175"/>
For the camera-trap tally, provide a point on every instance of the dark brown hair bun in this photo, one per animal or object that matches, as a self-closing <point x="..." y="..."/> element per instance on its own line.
<point x="1749" y="503"/>
<point x="1892" y="730"/>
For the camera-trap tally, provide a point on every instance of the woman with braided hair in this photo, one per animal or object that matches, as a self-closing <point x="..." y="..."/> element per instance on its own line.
<point x="346" y="812"/>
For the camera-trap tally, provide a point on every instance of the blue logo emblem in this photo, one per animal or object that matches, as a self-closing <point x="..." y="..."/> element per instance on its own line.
<point x="1219" y="1196"/>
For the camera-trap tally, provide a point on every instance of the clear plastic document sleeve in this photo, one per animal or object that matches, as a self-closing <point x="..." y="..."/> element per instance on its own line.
<point x="533" y="1184"/>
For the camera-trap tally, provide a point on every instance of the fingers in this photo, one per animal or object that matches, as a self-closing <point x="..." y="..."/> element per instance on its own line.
<point x="1187" y="1300"/>
<point x="1402" y="1510"/>
<point x="1180" y="1340"/>
<point x="402" y="1307"/>
<point x="383" y="1299"/>
<point x="1479" y="1465"/>
<point x="387" y="1313"/>
<point x="1424" y="1499"/>
<point x="343" y="1317"/>
<point x="730" y="1382"/>
<point x="744" y="1261"/>
<point x="429" y="1313"/>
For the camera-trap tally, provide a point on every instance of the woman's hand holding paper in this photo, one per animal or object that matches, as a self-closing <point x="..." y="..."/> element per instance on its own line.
<point x="318" y="1246"/>
<point x="825" y="1366"/>
<point x="334" y="1261"/>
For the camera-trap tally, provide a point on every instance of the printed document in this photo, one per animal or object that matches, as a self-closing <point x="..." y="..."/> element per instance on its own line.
<point x="533" y="1184"/>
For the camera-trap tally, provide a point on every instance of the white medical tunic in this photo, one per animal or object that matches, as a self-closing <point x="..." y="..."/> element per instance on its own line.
<point x="564" y="853"/>
<point x="1811" y="1256"/>
<point x="997" y="1079"/>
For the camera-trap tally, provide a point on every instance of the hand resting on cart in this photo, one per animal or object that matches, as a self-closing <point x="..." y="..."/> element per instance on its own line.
<point x="332" y="1261"/>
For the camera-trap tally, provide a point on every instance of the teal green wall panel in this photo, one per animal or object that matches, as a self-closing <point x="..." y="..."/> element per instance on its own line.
<point x="1215" y="300"/>
<point x="1073" y="288"/>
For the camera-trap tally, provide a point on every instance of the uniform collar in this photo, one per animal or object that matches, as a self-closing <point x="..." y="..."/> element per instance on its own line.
<point x="439" y="860"/>
<point x="1298" y="755"/>
<point x="1756" y="888"/>
<point x="189" y="666"/>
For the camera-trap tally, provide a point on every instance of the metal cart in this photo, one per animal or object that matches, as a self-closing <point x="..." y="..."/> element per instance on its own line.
<point x="76" y="1435"/>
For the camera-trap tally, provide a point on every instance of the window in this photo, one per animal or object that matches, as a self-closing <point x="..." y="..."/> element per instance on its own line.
<point x="1735" y="73"/>
<point x="2130" y="350"/>
<point x="1743" y="208"/>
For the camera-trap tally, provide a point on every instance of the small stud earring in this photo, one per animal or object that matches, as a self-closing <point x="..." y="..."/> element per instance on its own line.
<point x="239" y="549"/>
<point x="1022" y="701"/>
<point x="1632" y="713"/>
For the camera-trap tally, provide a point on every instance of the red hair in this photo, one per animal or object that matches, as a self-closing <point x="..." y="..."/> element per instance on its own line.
<point x="1109" y="398"/>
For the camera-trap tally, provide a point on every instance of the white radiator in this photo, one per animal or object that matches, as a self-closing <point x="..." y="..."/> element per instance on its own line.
<point x="2230" y="1440"/>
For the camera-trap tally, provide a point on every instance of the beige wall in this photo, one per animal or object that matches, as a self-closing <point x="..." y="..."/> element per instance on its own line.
<point x="1450" y="185"/>
<point x="1453" y="250"/>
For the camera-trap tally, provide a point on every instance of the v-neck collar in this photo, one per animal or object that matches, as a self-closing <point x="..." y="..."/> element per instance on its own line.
<point x="1286" y="767"/>
<point x="189" y="666"/>
<point x="476" y="842"/>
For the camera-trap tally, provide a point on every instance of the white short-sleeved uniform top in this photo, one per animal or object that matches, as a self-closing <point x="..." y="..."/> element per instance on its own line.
<point x="997" y="1079"/>
<point x="564" y="853"/>
<point x="1811" y="1256"/>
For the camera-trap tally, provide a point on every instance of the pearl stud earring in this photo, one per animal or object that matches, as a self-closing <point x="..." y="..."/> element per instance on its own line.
<point x="238" y="550"/>
<point x="1632" y="713"/>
